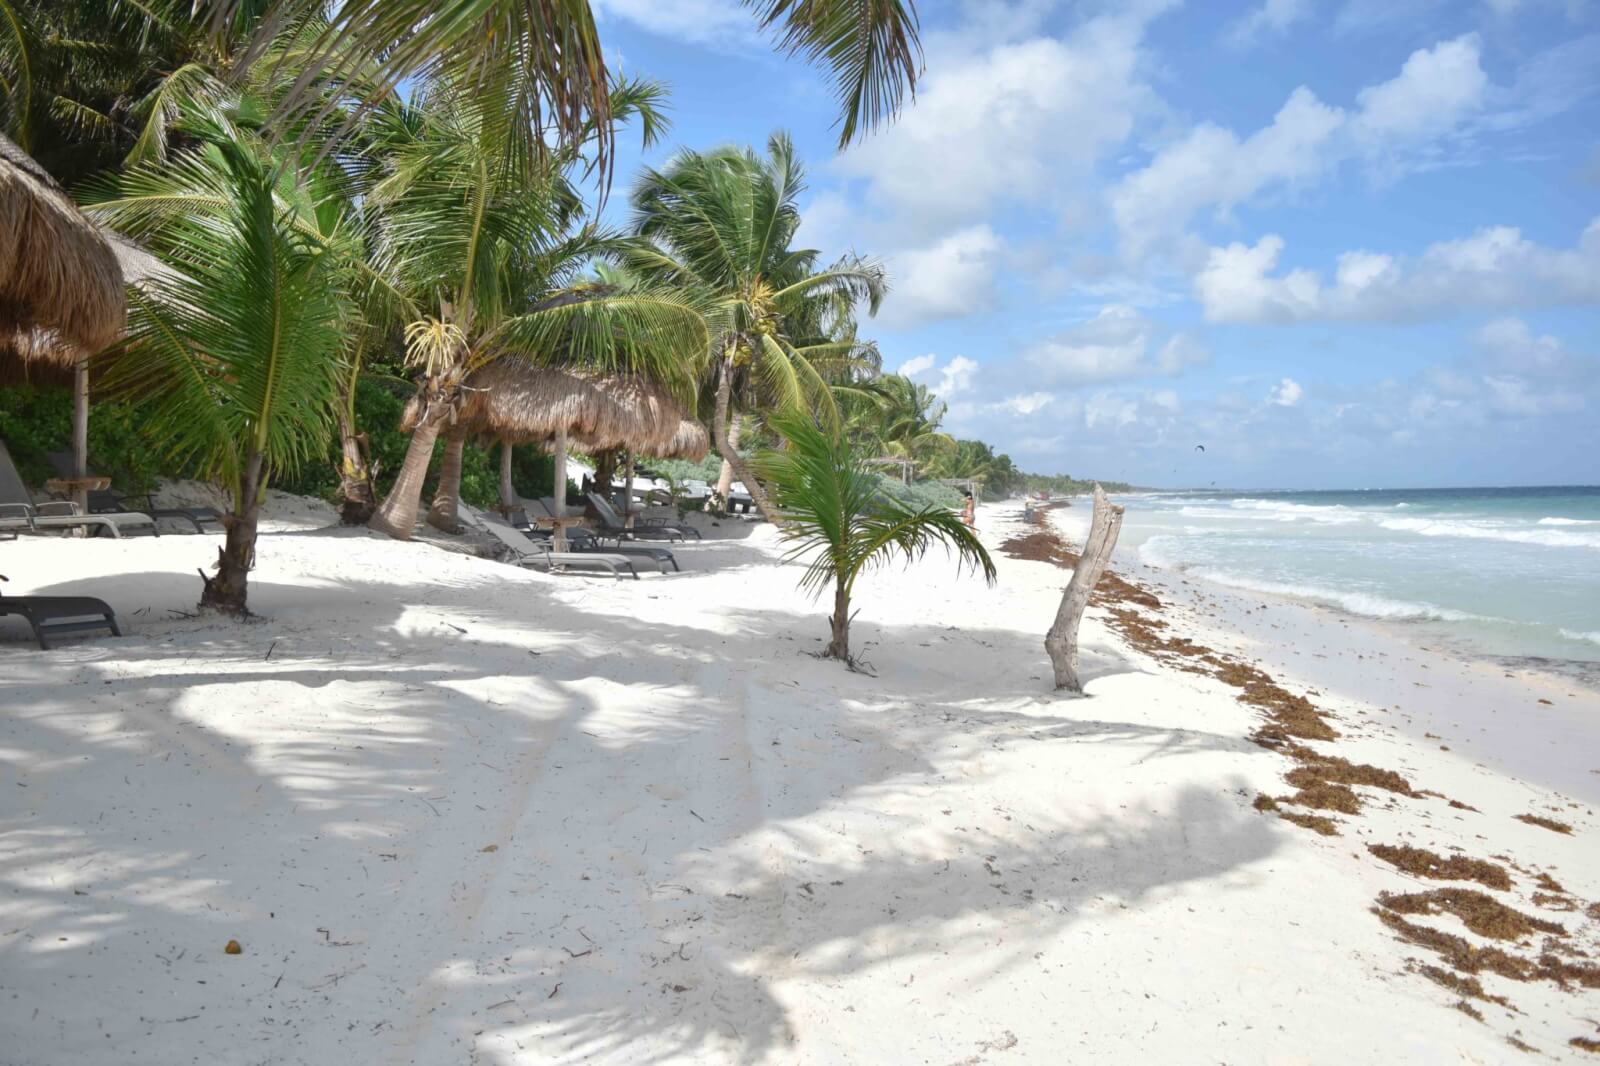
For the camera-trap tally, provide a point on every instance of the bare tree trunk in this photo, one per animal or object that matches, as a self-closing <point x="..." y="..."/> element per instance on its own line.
<point x="397" y="515"/>
<point x="725" y="475"/>
<point x="445" y="514"/>
<point x="508" y="491"/>
<point x="839" y="646"/>
<point x="1061" y="643"/>
<point x="558" y="539"/>
<point x="730" y="454"/>
<point x="228" y="590"/>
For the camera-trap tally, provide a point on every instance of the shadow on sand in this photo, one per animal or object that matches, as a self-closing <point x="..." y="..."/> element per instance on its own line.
<point x="495" y="848"/>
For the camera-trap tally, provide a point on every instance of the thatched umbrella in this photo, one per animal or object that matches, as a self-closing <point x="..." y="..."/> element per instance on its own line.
<point x="690" y="441"/>
<point x="61" y="286"/>
<point x="518" y="402"/>
<point x="60" y="283"/>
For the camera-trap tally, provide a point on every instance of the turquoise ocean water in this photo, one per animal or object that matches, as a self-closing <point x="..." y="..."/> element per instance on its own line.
<point x="1510" y="573"/>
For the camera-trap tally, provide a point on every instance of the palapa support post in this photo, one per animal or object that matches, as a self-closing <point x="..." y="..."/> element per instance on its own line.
<point x="558" y="537"/>
<point x="80" y="434"/>
<point x="627" y="492"/>
<point x="508" y="491"/>
<point x="1061" y="643"/>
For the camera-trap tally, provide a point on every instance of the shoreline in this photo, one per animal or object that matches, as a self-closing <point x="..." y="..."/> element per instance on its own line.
<point x="1445" y="688"/>
<point x="452" y="808"/>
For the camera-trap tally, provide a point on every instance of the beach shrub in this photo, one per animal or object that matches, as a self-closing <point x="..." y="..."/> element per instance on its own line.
<point x="36" y="421"/>
<point x="919" y="494"/>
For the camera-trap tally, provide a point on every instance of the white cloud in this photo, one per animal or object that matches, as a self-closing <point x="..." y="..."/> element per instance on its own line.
<point x="956" y="376"/>
<point x="1109" y="409"/>
<point x="952" y="277"/>
<point x="1273" y="17"/>
<point x="1117" y="344"/>
<point x="1510" y="345"/>
<point x="1028" y="403"/>
<point x="1009" y="122"/>
<point x="1212" y="167"/>
<point x="1494" y="268"/>
<point x="691" y="21"/>
<point x="1286" y="393"/>
<point x="1436" y="91"/>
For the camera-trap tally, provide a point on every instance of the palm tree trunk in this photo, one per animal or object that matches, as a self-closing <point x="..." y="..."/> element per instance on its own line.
<point x="730" y="455"/>
<point x="839" y="646"/>
<point x="397" y="515"/>
<point x="357" y="496"/>
<point x="445" y="514"/>
<point x="228" y="590"/>
<point x="356" y="473"/>
<point x="725" y="475"/>
<point x="508" y="491"/>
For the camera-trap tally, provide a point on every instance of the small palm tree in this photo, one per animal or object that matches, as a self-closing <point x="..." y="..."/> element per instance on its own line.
<point x="836" y="515"/>
<point x="236" y="361"/>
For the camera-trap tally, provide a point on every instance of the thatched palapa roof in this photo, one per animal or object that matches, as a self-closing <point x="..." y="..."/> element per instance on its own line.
<point x="512" y="399"/>
<point x="61" y="294"/>
<point x="691" y="442"/>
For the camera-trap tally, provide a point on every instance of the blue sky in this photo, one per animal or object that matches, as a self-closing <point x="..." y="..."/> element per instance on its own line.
<point x="1341" y="243"/>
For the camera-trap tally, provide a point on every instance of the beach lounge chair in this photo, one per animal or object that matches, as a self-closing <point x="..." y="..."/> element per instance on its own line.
<point x="536" y="553"/>
<point x="19" y="515"/>
<point x="50" y="616"/>
<point x="612" y="526"/>
<point x="110" y="501"/>
<point x="583" y="540"/>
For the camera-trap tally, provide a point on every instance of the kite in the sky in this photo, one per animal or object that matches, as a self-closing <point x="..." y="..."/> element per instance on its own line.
<point x="1199" y="447"/>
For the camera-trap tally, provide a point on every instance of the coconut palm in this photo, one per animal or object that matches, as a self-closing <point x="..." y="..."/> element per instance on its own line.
<point x="721" y="225"/>
<point x="869" y="47"/>
<point x="838" y="519"/>
<point x="490" y="248"/>
<point x="235" y="359"/>
<point x="895" y="417"/>
<point x="87" y="83"/>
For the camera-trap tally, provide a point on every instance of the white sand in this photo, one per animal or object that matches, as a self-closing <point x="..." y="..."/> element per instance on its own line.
<point x="459" y="812"/>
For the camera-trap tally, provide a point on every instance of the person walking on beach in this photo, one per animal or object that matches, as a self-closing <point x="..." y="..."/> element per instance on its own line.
<point x="968" y="507"/>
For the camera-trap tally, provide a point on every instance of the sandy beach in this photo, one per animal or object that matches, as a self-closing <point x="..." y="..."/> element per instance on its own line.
<point x="455" y="811"/>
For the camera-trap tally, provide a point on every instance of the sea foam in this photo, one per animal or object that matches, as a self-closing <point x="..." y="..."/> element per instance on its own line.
<point x="1553" y="538"/>
<point x="1361" y="603"/>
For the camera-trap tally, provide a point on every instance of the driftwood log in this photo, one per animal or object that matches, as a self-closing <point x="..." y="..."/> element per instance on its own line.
<point x="1061" y="643"/>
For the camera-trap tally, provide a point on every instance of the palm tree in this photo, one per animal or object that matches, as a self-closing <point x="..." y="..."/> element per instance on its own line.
<point x="489" y="248"/>
<point x="898" y="418"/>
<point x="836" y="516"/>
<point x="235" y="360"/>
<point x="869" y="47"/>
<point x="722" y="224"/>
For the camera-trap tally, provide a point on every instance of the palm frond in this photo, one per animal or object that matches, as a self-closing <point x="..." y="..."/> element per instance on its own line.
<point x="840" y="521"/>
<point x="870" y="46"/>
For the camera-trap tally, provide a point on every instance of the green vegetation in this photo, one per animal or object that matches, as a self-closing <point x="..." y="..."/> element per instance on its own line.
<point x="837" y="517"/>
<point x="1063" y="485"/>
<point x="343" y="257"/>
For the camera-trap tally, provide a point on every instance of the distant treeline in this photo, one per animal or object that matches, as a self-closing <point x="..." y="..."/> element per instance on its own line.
<point x="1066" y="485"/>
